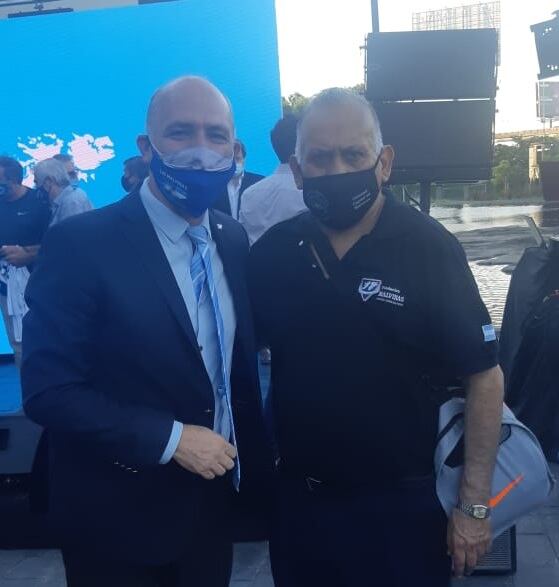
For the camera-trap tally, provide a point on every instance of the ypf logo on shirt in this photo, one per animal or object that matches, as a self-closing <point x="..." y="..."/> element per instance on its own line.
<point x="369" y="288"/>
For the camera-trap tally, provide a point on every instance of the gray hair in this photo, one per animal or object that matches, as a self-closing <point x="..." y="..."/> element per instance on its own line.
<point x="340" y="97"/>
<point x="64" y="157"/>
<point x="51" y="169"/>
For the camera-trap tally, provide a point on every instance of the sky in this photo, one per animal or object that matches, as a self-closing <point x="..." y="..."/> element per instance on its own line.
<point x="319" y="47"/>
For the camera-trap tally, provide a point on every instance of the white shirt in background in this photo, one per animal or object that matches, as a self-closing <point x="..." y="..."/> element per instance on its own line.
<point x="270" y="201"/>
<point x="234" y="193"/>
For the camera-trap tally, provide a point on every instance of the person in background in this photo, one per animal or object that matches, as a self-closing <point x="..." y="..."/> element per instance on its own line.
<point x="139" y="360"/>
<point x="68" y="162"/>
<point x="52" y="180"/>
<point x="24" y="219"/>
<point x="135" y="172"/>
<point x="230" y="200"/>
<point x="364" y="300"/>
<point x="275" y="198"/>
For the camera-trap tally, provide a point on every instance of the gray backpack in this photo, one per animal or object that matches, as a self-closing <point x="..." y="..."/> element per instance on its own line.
<point x="522" y="480"/>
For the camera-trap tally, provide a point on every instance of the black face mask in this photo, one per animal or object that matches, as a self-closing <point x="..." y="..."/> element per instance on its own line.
<point x="340" y="201"/>
<point x="42" y="194"/>
<point x="127" y="183"/>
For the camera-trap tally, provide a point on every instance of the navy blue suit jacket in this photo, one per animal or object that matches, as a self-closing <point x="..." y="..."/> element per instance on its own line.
<point x="223" y="204"/>
<point x="110" y="361"/>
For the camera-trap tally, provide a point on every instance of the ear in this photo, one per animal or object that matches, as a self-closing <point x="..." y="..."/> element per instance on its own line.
<point x="296" y="170"/>
<point x="386" y="161"/>
<point x="237" y="150"/>
<point x="144" y="145"/>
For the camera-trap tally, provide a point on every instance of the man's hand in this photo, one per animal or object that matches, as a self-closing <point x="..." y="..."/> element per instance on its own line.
<point x="468" y="541"/>
<point x="15" y="255"/>
<point x="205" y="453"/>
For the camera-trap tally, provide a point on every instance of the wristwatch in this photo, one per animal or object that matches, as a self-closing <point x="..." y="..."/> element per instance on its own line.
<point x="478" y="512"/>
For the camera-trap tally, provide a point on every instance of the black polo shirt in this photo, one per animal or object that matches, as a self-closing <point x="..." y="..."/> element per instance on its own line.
<point x="352" y="341"/>
<point x="23" y="222"/>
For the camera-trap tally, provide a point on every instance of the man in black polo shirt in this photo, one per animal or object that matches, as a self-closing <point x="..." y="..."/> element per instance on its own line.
<point x="24" y="218"/>
<point x="360" y="300"/>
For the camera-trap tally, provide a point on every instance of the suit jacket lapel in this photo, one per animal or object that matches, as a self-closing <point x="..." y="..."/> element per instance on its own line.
<point x="223" y="204"/>
<point x="234" y="272"/>
<point x="140" y="232"/>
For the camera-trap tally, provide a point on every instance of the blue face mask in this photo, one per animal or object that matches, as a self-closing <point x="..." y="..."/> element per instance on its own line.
<point x="189" y="181"/>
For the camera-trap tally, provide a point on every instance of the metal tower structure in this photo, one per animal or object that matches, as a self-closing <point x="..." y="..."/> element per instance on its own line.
<point x="470" y="16"/>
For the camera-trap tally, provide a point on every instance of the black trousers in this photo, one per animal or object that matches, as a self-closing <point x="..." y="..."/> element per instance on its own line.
<point x="207" y="564"/>
<point x="368" y="537"/>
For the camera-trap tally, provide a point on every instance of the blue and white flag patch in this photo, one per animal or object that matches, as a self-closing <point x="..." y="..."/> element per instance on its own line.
<point x="489" y="334"/>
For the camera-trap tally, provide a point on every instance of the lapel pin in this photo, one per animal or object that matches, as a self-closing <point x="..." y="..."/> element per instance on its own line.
<point x="219" y="226"/>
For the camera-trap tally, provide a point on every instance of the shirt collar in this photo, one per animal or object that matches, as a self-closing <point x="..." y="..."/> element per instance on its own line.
<point x="282" y="169"/>
<point x="170" y="223"/>
<point x="63" y="194"/>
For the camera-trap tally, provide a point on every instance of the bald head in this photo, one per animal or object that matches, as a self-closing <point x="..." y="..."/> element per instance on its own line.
<point x="188" y="113"/>
<point x="186" y="100"/>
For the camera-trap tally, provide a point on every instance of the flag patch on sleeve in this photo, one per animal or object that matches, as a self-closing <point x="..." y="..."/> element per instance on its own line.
<point x="489" y="334"/>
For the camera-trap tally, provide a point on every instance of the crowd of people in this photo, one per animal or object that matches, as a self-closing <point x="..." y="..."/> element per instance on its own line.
<point x="141" y="328"/>
<point x="25" y="216"/>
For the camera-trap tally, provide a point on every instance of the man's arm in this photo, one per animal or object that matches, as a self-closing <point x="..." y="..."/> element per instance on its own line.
<point x="59" y="334"/>
<point x="469" y="539"/>
<point x="19" y="256"/>
<point x="484" y="411"/>
<point x="59" y="346"/>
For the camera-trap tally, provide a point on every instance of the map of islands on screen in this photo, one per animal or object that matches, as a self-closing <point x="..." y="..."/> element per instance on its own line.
<point x="80" y="83"/>
<point x="88" y="152"/>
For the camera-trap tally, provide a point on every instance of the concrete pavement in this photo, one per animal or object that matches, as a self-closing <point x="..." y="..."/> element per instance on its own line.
<point x="537" y="542"/>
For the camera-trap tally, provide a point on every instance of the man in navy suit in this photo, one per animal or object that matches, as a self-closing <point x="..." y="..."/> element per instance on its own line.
<point x="141" y="363"/>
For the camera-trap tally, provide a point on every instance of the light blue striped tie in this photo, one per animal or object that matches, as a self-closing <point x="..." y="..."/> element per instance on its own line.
<point x="203" y="282"/>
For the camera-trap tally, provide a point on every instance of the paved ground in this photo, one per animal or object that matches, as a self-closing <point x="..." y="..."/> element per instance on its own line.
<point x="538" y="560"/>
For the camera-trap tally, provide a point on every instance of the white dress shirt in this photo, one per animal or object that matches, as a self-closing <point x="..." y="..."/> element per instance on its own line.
<point x="234" y="193"/>
<point x="270" y="201"/>
<point x="177" y="246"/>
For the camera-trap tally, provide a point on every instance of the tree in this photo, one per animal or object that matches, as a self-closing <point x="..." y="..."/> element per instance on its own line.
<point x="359" y="88"/>
<point x="511" y="165"/>
<point x="294" y="103"/>
<point x="502" y="177"/>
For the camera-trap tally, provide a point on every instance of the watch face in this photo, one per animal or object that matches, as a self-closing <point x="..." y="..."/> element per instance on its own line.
<point x="480" y="512"/>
